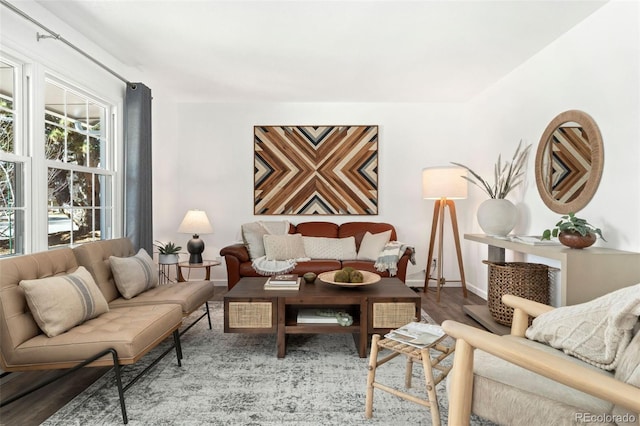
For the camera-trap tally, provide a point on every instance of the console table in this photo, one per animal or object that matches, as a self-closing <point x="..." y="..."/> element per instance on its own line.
<point x="584" y="274"/>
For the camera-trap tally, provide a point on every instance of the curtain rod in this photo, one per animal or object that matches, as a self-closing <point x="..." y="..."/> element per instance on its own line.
<point x="53" y="34"/>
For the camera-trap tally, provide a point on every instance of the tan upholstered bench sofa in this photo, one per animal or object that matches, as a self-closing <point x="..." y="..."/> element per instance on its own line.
<point x="95" y="257"/>
<point x="121" y="333"/>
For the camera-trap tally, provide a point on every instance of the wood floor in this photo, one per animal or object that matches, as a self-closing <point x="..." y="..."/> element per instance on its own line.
<point x="37" y="407"/>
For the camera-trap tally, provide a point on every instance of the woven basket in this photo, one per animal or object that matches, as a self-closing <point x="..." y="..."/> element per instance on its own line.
<point x="526" y="280"/>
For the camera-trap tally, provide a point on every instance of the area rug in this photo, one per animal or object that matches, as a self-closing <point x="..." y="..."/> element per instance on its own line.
<point x="236" y="379"/>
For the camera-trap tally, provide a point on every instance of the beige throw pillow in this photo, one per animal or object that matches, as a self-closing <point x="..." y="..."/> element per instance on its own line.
<point x="330" y="248"/>
<point x="284" y="247"/>
<point x="596" y="332"/>
<point x="253" y="232"/>
<point x="61" y="302"/>
<point x="134" y="274"/>
<point x="372" y="245"/>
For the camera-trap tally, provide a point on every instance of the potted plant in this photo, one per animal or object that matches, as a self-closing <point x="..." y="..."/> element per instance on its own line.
<point x="497" y="216"/>
<point x="168" y="252"/>
<point x="573" y="232"/>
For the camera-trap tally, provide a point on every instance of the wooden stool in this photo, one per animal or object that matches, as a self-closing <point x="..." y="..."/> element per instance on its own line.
<point x="413" y="354"/>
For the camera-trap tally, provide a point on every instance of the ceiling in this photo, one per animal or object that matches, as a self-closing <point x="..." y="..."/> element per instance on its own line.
<point x="322" y="51"/>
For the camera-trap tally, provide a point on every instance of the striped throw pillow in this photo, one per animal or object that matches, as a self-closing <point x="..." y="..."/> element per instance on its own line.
<point x="61" y="302"/>
<point x="134" y="274"/>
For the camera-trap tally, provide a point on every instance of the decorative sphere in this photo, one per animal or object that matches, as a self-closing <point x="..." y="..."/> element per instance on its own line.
<point x="341" y="276"/>
<point x="309" y="277"/>
<point x="356" y="276"/>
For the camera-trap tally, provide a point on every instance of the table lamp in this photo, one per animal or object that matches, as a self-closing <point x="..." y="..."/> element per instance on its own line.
<point x="195" y="222"/>
<point x="443" y="184"/>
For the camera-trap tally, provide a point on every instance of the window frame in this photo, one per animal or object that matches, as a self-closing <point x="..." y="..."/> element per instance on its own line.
<point x="29" y="131"/>
<point x="108" y="169"/>
<point x="20" y="154"/>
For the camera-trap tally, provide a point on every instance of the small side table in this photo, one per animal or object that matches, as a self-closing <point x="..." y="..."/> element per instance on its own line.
<point x="413" y="354"/>
<point x="207" y="264"/>
<point x="164" y="272"/>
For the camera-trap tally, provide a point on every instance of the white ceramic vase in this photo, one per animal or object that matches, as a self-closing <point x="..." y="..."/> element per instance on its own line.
<point x="497" y="217"/>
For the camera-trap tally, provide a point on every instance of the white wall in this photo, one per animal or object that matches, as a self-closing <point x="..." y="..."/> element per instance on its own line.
<point x="214" y="164"/>
<point x="208" y="154"/>
<point x="19" y="36"/>
<point x="594" y="68"/>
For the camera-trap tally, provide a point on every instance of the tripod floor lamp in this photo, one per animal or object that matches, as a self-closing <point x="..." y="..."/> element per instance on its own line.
<point x="443" y="184"/>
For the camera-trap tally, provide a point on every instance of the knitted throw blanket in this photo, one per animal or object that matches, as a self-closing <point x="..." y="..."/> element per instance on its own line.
<point x="390" y="255"/>
<point x="597" y="332"/>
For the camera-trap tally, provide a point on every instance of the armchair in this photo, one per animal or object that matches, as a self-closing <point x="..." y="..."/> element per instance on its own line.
<point x="516" y="381"/>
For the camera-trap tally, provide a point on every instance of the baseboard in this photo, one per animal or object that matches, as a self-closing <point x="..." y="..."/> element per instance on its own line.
<point x="477" y="291"/>
<point x="470" y="287"/>
<point x="415" y="283"/>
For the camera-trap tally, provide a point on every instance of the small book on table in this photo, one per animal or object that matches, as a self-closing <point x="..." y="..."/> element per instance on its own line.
<point x="317" y="316"/>
<point x="283" y="282"/>
<point x="284" y="279"/>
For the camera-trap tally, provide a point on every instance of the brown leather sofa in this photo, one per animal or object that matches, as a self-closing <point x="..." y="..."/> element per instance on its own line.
<point x="239" y="263"/>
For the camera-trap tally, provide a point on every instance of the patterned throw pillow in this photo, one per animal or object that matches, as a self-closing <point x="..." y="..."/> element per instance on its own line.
<point x="330" y="248"/>
<point x="372" y="245"/>
<point x="253" y="233"/>
<point x="284" y="247"/>
<point x="134" y="274"/>
<point x="61" y="302"/>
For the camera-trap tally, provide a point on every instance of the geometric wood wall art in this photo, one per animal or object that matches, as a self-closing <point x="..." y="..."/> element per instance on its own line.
<point x="315" y="170"/>
<point x="570" y="166"/>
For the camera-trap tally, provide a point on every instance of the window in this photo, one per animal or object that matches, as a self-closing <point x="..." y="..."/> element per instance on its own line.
<point x="12" y="162"/>
<point x="57" y="186"/>
<point x="79" y="175"/>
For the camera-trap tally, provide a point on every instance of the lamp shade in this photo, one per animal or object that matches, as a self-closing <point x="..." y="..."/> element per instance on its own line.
<point x="444" y="182"/>
<point x="195" y="222"/>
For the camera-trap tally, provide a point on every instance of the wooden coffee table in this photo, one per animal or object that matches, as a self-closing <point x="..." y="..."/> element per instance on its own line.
<point x="375" y="308"/>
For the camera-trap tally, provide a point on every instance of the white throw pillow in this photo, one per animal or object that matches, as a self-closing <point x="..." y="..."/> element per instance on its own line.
<point x="253" y="232"/>
<point x="61" y="302"/>
<point x="330" y="248"/>
<point x="284" y="247"/>
<point x="134" y="274"/>
<point x="372" y="245"/>
<point x="597" y="332"/>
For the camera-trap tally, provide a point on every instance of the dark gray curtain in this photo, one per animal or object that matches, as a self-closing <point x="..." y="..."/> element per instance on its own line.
<point x="138" y="223"/>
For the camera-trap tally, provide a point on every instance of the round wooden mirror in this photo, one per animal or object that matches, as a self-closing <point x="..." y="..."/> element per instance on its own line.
<point x="569" y="162"/>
